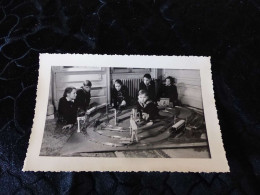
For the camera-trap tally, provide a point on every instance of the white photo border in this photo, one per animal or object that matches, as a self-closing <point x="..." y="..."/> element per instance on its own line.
<point x="35" y="162"/>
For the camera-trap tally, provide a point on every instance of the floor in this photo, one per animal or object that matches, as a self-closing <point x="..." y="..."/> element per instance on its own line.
<point x="54" y="139"/>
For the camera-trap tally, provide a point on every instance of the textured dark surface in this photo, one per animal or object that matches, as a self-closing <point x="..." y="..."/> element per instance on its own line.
<point x="226" y="30"/>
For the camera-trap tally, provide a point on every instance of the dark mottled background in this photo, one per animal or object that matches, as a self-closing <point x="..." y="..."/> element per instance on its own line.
<point x="227" y="30"/>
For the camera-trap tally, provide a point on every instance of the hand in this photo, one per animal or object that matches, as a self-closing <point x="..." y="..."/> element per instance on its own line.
<point x="145" y="116"/>
<point x="123" y="103"/>
<point x="67" y="126"/>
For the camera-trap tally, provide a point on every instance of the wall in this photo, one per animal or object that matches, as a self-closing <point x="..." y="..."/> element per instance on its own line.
<point x="187" y="81"/>
<point x="188" y="84"/>
<point x="63" y="78"/>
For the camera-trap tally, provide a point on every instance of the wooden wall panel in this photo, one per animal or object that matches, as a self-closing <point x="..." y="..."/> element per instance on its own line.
<point x="63" y="79"/>
<point x="188" y="84"/>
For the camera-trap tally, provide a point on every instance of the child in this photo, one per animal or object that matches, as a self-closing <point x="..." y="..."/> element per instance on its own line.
<point x="147" y="109"/>
<point x="148" y="85"/>
<point x="169" y="90"/>
<point x="120" y="95"/>
<point x="83" y="96"/>
<point x="67" y="109"/>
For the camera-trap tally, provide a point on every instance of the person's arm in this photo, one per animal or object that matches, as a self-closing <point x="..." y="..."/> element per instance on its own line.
<point x="139" y="110"/>
<point x="114" y="97"/>
<point x="60" y="108"/>
<point x="125" y="93"/>
<point x="152" y="111"/>
<point x="175" y="95"/>
<point x="160" y="92"/>
<point x="79" y="101"/>
<point x="153" y="93"/>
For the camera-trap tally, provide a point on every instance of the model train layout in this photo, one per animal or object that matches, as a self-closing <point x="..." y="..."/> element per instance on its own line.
<point x="106" y="129"/>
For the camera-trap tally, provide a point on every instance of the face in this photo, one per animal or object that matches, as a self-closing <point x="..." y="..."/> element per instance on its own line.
<point x="168" y="82"/>
<point x="142" y="98"/>
<point x="147" y="81"/>
<point x="117" y="86"/>
<point x="87" y="88"/>
<point x="72" y="95"/>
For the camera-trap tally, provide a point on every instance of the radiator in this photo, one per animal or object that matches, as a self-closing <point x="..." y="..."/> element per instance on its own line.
<point x="133" y="86"/>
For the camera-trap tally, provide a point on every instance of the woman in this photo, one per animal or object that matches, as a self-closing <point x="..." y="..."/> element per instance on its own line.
<point x="67" y="108"/>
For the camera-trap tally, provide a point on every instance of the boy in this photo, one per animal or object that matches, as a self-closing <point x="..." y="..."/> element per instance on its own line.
<point x="169" y="90"/>
<point x="83" y="96"/>
<point x="147" y="109"/>
<point x="120" y="95"/>
<point x="148" y="85"/>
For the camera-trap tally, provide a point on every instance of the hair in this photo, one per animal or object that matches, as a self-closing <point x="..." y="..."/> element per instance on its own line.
<point x="172" y="80"/>
<point x="143" y="92"/>
<point x="87" y="83"/>
<point x="148" y="76"/>
<point x="119" y="82"/>
<point x="68" y="90"/>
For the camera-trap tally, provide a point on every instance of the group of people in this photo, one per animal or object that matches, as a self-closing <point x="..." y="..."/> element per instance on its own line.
<point x="147" y="97"/>
<point x="74" y="102"/>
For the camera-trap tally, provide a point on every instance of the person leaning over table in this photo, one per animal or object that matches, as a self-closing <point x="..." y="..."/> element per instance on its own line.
<point x="67" y="108"/>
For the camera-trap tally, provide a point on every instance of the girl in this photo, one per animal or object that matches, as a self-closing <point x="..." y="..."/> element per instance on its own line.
<point x="67" y="109"/>
<point x="147" y="109"/>
<point x="169" y="90"/>
<point x="120" y="95"/>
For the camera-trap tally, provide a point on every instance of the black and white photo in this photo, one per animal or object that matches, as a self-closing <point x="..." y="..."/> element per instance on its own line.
<point x="126" y="108"/>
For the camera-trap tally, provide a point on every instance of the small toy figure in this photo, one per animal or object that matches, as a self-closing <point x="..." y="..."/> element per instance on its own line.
<point x="133" y="129"/>
<point x="82" y="118"/>
<point x="115" y="117"/>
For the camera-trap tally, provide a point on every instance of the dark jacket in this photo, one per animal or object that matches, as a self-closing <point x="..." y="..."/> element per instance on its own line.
<point x="118" y="96"/>
<point x="149" y="108"/>
<point x="169" y="92"/>
<point x="67" y="111"/>
<point x="82" y="99"/>
<point x="150" y="89"/>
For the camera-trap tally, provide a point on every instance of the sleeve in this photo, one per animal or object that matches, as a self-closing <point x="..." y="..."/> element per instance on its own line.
<point x="152" y="111"/>
<point x="152" y="92"/>
<point x="114" y="97"/>
<point x="160" y="92"/>
<point x="126" y="95"/>
<point x="79" y="101"/>
<point x="138" y="107"/>
<point x="175" y="94"/>
<point x="61" y="107"/>
<point x="88" y="101"/>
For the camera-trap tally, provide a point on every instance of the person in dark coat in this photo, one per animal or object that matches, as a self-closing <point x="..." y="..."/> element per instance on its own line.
<point x="67" y="108"/>
<point x="84" y="96"/>
<point x="169" y="90"/>
<point x="148" y="85"/>
<point x="120" y="95"/>
<point x="146" y="107"/>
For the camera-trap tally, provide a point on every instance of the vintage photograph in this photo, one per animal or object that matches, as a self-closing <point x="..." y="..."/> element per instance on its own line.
<point x="125" y="112"/>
